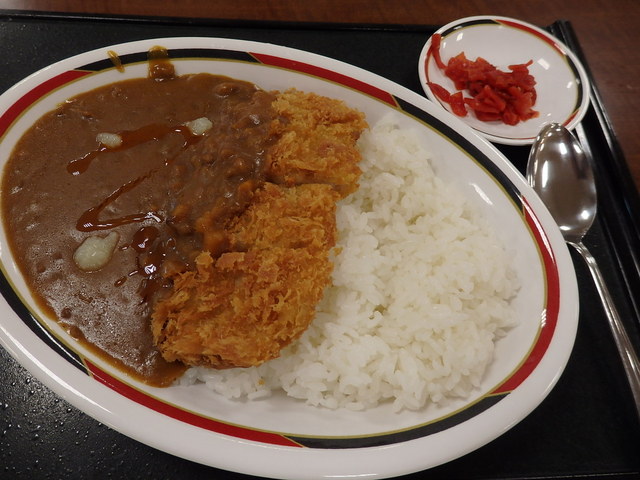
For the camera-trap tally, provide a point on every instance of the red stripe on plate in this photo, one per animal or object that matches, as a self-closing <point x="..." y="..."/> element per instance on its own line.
<point x="549" y="318"/>
<point x="573" y="115"/>
<point x="14" y="111"/>
<point x="328" y="74"/>
<point x="541" y="36"/>
<point x="176" y="413"/>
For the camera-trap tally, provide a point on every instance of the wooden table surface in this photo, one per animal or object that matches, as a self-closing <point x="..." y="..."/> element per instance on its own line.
<point x="608" y="31"/>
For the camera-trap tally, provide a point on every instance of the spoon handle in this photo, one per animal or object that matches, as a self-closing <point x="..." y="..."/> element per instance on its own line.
<point x="625" y="348"/>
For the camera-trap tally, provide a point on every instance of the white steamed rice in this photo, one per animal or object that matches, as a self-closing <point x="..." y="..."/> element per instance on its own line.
<point x="420" y="293"/>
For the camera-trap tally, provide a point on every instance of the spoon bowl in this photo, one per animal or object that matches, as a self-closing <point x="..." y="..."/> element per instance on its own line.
<point x="562" y="175"/>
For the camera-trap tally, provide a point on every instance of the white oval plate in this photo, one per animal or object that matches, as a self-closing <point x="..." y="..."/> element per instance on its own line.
<point x="562" y="84"/>
<point x="281" y="437"/>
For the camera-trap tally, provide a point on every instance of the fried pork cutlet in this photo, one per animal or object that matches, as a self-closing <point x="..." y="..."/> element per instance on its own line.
<point x="316" y="144"/>
<point x="242" y="308"/>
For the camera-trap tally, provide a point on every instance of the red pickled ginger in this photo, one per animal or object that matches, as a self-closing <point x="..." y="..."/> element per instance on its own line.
<point x="495" y="95"/>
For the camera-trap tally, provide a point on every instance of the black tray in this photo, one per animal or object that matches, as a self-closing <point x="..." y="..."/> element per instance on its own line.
<point x="586" y="427"/>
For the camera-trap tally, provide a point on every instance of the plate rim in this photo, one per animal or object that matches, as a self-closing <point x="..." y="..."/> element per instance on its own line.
<point x="57" y="384"/>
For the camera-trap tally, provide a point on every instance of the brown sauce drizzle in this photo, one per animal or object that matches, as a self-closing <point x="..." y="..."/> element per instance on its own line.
<point x="130" y="139"/>
<point x="143" y="238"/>
<point x="115" y="59"/>
<point x="89" y="221"/>
<point x="160" y="68"/>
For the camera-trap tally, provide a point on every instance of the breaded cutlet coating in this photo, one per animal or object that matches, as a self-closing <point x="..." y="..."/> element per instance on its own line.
<point x="297" y="217"/>
<point x="316" y="144"/>
<point x="243" y="308"/>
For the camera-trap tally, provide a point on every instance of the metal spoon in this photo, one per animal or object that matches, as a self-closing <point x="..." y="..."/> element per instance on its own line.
<point x="561" y="173"/>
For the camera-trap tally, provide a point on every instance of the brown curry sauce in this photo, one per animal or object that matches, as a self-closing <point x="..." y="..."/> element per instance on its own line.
<point x="166" y="192"/>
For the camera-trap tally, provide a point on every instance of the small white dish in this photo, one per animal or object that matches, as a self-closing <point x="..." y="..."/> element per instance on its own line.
<point x="562" y="84"/>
